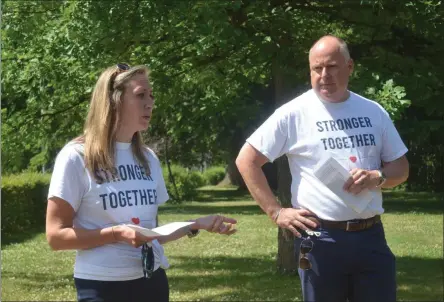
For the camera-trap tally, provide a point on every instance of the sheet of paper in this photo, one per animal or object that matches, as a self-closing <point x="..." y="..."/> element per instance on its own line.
<point x="163" y="230"/>
<point x="331" y="173"/>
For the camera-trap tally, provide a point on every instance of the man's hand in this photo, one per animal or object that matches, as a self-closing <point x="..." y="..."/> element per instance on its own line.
<point x="360" y="180"/>
<point x="291" y="219"/>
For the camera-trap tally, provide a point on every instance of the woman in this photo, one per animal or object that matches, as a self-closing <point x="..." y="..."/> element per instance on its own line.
<point x="107" y="179"/>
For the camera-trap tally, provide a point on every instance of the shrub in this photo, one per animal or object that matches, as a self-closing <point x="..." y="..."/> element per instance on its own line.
<point x="214" y="175"/>
<point x="23" y="202"/>
<point x="186" y="182"/>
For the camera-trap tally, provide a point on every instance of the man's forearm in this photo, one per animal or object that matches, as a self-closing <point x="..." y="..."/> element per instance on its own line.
<point x="396" y="172"/>
<point x="258" y="186"/>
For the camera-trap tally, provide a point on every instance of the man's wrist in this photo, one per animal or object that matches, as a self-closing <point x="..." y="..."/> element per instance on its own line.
<point x="275" y="213"/>
<point x="380" y="178"/>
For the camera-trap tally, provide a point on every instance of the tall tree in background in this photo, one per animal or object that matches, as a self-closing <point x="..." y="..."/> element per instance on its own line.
<point x="219" y="68"/>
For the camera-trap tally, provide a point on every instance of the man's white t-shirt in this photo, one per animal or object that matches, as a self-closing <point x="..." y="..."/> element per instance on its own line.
<point x="130" y="197"/>
<point x="358" y="133"/>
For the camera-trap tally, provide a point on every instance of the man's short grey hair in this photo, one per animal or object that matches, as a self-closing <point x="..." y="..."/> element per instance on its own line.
<point x="343" y="48"/>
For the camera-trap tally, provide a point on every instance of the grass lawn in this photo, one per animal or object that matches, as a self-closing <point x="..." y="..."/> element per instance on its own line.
<point x="240" y="267"/>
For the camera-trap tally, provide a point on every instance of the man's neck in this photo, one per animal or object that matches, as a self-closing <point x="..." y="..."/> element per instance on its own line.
<point x="341" y="99"/>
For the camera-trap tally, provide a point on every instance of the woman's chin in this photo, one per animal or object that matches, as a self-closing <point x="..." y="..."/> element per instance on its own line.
<point x="144" y="124"/>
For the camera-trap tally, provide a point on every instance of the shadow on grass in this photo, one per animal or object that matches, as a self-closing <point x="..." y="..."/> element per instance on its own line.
<point x="39" y="280"/>
<point x="21" y="236"/>
<point x="255" y="278"/>
<point x="213" y="209"/>
<point x="420" y="279"/>
<point x="225" y="195"/>
<point x="420" y="202"/>
<point x="240" y="279"/>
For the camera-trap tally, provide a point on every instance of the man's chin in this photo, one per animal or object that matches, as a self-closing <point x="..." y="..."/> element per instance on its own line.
<point x="325" y="94"/>
<point x="330" y="96"/>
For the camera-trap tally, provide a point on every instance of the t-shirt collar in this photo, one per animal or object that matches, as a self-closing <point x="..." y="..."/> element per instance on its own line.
<point x="122" y="146"/>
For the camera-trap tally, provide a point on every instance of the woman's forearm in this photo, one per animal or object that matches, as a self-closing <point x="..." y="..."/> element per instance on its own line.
<point x="81" y="239"/>
<point x="174" y="236"/>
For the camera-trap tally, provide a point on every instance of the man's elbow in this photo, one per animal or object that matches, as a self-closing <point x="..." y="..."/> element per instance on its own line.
<point x="240" y="162"/>
<point x="53" y="241"/>
<point x="406" y="173"/>
<point x="406" y="169"/>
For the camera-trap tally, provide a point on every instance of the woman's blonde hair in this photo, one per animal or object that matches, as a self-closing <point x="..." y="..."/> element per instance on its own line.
<point x="102" y="122"/>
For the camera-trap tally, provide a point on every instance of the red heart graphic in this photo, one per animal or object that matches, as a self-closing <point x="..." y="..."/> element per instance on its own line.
<point x="135" y="220"/>
<point x="353" y="158"/>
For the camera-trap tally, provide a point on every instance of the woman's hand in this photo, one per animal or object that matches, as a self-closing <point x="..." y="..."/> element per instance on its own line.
<point x="215" y="224"/>
<point x="130" y="236"/>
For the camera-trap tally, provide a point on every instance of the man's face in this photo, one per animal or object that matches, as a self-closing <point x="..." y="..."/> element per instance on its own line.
<point x="329" y="72"/>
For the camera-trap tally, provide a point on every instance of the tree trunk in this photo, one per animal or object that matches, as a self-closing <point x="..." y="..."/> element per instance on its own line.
<point x="170" y="173"/>
<point x="286" y="259"/>
<point x="232" y="176"/>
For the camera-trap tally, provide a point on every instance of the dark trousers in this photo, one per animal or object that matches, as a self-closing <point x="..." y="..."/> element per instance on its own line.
<point x="354" y="266"/>
<point x="154" y="289"/>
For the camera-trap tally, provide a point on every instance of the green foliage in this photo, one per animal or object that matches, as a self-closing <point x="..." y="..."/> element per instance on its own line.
<point x="211" y="62"/>
<point x="186" y="182"/>
<point x="214" y="175"/>
<point x="23" y="202"/>
<point x="391" y="97"/>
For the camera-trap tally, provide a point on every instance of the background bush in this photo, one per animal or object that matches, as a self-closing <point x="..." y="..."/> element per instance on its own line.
<point x="23" y="202"/>
<point x="186" y="181"/>
<point x="214" y="175"/>
<point x="24" y="196"/>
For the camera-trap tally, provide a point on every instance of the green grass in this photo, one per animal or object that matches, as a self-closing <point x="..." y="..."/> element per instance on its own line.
<point x="240" y="267"/>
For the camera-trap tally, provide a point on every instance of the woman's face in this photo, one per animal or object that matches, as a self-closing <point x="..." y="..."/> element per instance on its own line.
<point x="137" y="106"/>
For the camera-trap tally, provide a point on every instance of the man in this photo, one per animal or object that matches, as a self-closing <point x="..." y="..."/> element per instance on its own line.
<point x="347" y="257"/>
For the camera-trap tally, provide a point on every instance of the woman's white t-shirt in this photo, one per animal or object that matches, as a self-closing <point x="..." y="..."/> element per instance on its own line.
<point x="129" y="197"/>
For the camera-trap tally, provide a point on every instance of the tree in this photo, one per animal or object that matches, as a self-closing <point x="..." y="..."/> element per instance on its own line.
<point x="219" y="68"/>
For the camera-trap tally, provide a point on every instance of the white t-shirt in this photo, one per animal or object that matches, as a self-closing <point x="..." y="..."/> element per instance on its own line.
<point x="358" y="133"/>
<point x="130" y="198"/>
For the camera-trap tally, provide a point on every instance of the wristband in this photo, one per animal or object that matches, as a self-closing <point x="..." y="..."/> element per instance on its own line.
<point x="192" y="233"/>
<point x="382" y="178"/>
<point x="114" y="235"/>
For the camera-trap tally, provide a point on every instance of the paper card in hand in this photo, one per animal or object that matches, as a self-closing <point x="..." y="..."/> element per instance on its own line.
<point x="331" y="173"/>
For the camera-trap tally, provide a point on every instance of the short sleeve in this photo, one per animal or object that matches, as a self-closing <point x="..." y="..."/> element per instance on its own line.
<point x="162" y="193"/>
<point x="67" y="180"/>
<point x="161" y="190"/>
<point x="271" y="138"/>
<point x="392" y="145"/>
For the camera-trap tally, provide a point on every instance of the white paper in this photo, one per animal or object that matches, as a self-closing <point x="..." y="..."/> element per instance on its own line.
<point x="164" y="230"/>
<point x="331" y="173"/>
